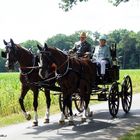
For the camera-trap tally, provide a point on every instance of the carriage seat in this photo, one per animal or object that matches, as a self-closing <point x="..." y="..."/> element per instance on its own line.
<point x="108" y="66"/>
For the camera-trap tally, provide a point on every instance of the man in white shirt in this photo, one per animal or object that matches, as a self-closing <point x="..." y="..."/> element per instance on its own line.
<point x="101" y="54"/>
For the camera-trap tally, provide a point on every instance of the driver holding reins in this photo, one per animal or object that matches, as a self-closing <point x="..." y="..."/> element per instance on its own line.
<point x="82" y="47"/>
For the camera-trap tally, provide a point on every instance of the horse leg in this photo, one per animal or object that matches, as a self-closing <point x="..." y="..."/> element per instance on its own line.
<point x="24" y="90"/>
<point x="35" y="104"/>
<point x="84" y="113"/>
<point x="69" y="105"/>
<point x="85" y="95"/>
<point x="62" y="119"/>
<point x="48" y="102"/>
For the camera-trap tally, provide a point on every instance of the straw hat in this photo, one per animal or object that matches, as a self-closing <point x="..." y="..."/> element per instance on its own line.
<point x="83" y="34"/>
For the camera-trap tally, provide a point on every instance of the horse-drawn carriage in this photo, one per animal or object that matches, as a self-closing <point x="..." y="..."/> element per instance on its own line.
<point x="109" y="89"/>
<point x="63" y="68"/>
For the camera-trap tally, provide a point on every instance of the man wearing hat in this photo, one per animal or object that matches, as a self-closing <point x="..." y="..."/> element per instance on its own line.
<point x="82" y="47"/>
<point x="101" y="54"/>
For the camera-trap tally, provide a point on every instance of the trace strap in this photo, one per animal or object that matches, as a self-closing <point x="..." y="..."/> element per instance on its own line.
<point x="61" y="75"/>
<point x="32" y="68"/>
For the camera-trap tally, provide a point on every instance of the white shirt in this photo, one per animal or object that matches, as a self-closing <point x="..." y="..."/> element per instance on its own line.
<point x="101" y="53"/>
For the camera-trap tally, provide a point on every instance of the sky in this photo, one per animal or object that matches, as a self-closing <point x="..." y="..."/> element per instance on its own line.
<point x="24" y="20"/>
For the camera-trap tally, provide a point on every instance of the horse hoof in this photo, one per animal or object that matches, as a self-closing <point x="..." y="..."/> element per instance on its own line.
<point x="28" y="117"/>
<point x="35" y="124"/>
<point x="66" y="117"/>
<point x="75" y="114"/>
<point x="71" y="123"/>
<point x="90" y="114"/>
<point x="61" y="122"/>
<point x="83" y="120"/>
<point x="46" y="121"/>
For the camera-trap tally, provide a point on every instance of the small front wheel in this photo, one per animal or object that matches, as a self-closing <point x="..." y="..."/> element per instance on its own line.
<point x="113" y="99"/>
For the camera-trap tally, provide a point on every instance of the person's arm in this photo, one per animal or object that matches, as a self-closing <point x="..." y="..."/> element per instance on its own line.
<point x="88" y="50"/>
<point x="94" y="57"/>
<point x="108" y="55"/>
<point x="73" y="50"/>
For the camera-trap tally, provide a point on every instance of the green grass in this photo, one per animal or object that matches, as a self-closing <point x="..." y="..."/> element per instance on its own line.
<point x="10" y="88"/>
<point x="135" y="77"/>
<point x="132" y="135"/>
<point x="10" y="111"/>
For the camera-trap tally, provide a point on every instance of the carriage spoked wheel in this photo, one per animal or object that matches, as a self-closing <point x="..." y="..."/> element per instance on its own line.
<point x="79" y="104"/>
<point x="126" y="93"/>
<point x="113" y="99"/>
<point x="61" y="105"/>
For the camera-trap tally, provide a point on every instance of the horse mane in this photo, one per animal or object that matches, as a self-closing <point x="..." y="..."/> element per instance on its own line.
<point x="23" y="48"/>
<point x="58" y="50"/>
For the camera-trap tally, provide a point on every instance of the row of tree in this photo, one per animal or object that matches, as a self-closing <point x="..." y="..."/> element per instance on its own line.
<point x="128" y="45"/>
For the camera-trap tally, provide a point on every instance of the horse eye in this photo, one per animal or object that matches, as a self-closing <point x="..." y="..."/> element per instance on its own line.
<point x="49" y="53"/>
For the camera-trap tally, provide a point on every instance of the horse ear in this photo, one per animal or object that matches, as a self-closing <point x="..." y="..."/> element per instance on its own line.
<point x="40" y="48"/>
<point x="5" y="43"/>
<point x="45" y="46"/>
<point x="12" y="42"/>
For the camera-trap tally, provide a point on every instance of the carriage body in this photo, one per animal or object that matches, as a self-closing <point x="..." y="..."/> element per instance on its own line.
<point x="109" y="89"/>
<point x="112" y="74"/>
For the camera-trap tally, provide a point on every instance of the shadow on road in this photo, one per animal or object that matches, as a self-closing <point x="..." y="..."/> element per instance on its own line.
<point x="100" y="126"/>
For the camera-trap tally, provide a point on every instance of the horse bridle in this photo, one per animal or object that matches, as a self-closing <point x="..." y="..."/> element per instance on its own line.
<point x="9" y="48"/>
<point x="7" y="52"/>
<point x="52" y="60"/>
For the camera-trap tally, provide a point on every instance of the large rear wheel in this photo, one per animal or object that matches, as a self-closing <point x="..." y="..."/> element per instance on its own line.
<point x="126" y="93"/>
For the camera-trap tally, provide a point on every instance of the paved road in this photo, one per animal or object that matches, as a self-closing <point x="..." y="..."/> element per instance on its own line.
<point x="99" y="127"/>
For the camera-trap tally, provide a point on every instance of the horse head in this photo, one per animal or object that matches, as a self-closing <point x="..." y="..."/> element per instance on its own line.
<point x="10" y="54"/>
<point x="46" y="62"/>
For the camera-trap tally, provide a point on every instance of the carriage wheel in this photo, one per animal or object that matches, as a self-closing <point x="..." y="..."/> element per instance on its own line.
<point x="126" y="94"/>
<point x="61" y="105"/>
<point x="113" y="99"/>
<point x="79" y="104"/>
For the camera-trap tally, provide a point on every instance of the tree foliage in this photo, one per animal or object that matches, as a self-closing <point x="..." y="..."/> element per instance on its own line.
<point x="128" y="45"/>
<point x="30" y="45"/>
<point x="65" y="42"/>
<point x="66" y="5"/>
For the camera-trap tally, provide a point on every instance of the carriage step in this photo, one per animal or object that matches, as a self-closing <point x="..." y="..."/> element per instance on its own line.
<point x="102" y="97"/>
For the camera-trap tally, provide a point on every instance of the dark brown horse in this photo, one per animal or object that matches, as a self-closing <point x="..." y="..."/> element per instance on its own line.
<point x="73" y="75"/>
<point x="29" y="78"/>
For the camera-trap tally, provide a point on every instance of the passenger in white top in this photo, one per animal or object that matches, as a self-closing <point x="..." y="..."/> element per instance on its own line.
<point x="101" y="54"/>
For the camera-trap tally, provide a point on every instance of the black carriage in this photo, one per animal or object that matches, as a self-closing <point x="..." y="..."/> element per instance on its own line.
<point x="109" y="89"/>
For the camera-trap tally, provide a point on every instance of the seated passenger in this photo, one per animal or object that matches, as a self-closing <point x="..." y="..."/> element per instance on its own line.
<point x="82" y="47"/>
<point x="101" y="54"/>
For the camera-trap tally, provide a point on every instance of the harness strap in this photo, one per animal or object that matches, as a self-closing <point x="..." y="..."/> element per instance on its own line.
<point x="32" y="68"/>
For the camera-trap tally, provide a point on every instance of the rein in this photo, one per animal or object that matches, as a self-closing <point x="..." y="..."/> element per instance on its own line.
<point x="68" y="68"/>
<point x="57" y="76"/>
<point x="32" y="68"/>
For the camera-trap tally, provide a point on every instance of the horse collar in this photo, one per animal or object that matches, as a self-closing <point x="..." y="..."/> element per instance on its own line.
<point x="67" y="69"/>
